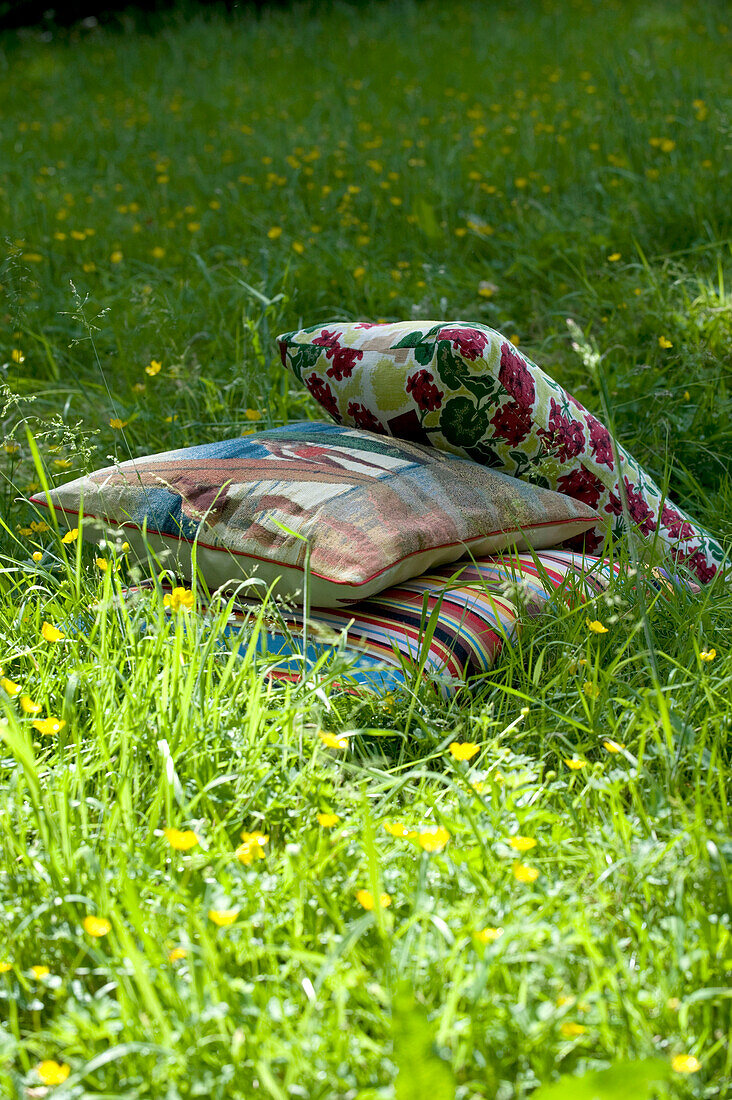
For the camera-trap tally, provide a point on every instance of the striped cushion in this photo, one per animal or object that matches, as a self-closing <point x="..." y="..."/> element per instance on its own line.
<point x="452" y="621"/>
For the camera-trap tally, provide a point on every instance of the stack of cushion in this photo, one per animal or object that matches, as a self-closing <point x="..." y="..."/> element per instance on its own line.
<point x="447" y="445"/>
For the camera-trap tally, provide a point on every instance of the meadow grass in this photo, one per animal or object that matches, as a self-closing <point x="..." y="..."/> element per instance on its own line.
<point x="560" y="902"/>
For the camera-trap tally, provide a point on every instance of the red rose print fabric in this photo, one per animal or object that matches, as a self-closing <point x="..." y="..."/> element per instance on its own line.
<point x="465" y="388"/>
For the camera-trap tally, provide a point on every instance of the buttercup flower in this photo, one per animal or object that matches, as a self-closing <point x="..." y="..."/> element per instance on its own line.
<point x="48" y="726"/>
<point x="96" y="926"/>
<point x="685" y="1063"/>
<point x="488" y="935"/>
<point x="251" y="848"/>
<point x="331" y="741"/>
<point x="707" y="655"/>
<point x="522" y="843"/>
<point x="664" y="342"/>
<point x="37" y="556"/>
<point x="596" y="626"/>
<point x="52" y="1073"/>
<point x="433" y="839"/>
<point x="181" y="839"/>
<point x="327" y="821"/>
<point x="51" y="633"/>
<point x="71" y="536"/>
<point x="39" y="972"/>
<point x="463" y="750"/>
<point x="395" y="828"/>
<point x="574" y="764"/>
<point x="176" y="954"/>
<point x="366" y="899"/>
<point x="153" y="367"/>
<point x="523" y="873"/>
<point x="180" y="599"/>
<point x="612" y="746"/>
<point x="570" y="1030"/>
<point x="5" y="967"/>
<point x="9" y="687"/>
<point x="223" y="917"/>
<point x="117" y="424"/>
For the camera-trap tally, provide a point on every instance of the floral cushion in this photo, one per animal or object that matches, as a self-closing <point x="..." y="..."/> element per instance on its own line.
<point x="372" y="511"/>
<point x="464" y="388"/>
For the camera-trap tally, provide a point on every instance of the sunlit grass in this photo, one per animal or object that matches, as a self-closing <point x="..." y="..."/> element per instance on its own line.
<point x="543" y="863"/>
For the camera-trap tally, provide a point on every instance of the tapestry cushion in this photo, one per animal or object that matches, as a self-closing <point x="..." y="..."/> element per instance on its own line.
<point x="465" y="388"/>
<point x="372" y="512"/>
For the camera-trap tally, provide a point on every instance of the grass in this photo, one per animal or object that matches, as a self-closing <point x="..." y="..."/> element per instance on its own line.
<point x="204" y="187"/>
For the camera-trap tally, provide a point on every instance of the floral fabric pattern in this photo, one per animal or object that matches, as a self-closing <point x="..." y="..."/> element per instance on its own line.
<point x="464" y="388"/>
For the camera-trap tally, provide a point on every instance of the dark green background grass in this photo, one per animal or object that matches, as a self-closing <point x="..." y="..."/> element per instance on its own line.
<point x="204" y="187"/>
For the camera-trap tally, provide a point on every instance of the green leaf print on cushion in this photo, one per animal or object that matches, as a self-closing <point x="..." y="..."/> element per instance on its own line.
<point x="463" y="387"/>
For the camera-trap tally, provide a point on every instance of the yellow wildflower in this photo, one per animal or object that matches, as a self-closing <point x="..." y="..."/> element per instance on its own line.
<point x="176" y="954"/>
<point x="664" y="342"/>
<point x="62" y="463"/>
<point x="96" y="926"/>
<point x="17" y="356"/>
<point x="9" y="687"/>
<point x="51" y="633"/>
<point x="28" y="705"/>
<point x="574" y="764"/>
<point x="52" y="1073"/>
<point x="48" y="726"/>
<point x="522" y="843"/>
<point x="596" y="626"/>
<point x="39" y="972"/>
<point x="366" y="899"/>
<point x="181" y="839"/>
<point x="299" y="247"/>
<point x="488" y="935"/>
<point x="707" y="655"/>
<point x="37" y="556"/>
<point x="523" y="873"/>
<point x="327" y="821"/>
<point x="571" y="1030"/>
<point x="612" y="746"/>
<point x="433" y="839"/>
<point x="463" y="750"/>
<point x="395" y="828"/>
<point x="154" y="367"/>
<point x="179" y="599"/>
<point x="102" y="564"/>
<point x="223" y="917"/>
<point x="251" y="848"/>
<point x="117" y="256"/>
<point x="685" y="1063"/>
<point x="592" y="691"/>
<point x="117" y="424"/>
<point x="71" y="536"/>
<point x="331" y="741"/>
<point x="252" y="414"/>
<point x="275" y="232"/>
<point x="614" y="257"/>
<point x="157" y="252"/>
<point x="359" y="272"/>
<point x="5" y="967"/>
